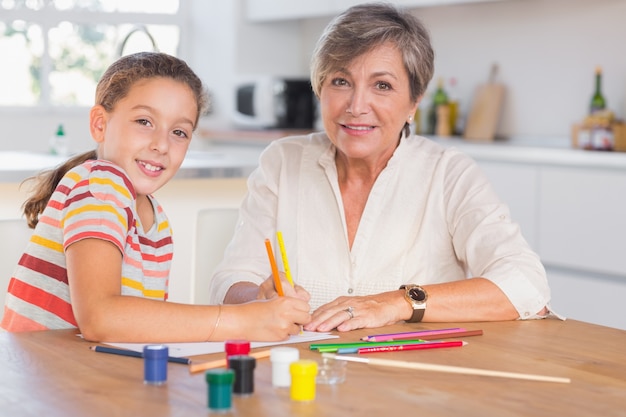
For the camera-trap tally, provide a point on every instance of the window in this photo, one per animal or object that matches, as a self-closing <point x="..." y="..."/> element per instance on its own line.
<point x="60" y="48"/>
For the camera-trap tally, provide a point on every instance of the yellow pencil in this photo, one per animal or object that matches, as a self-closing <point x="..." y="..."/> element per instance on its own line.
<point x="283" y="254"/>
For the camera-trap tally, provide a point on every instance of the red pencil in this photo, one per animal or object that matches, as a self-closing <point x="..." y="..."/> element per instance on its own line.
<point x="417" y="346"/>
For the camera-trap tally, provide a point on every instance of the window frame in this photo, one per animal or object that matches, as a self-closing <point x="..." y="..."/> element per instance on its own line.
<point x="49" y="17"/>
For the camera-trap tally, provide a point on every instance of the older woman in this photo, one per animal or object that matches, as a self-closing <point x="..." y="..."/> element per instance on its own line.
<point x="380" y="225"/>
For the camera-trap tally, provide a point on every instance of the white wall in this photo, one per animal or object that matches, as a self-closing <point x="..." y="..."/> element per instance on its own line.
<point x="546" y="49"/>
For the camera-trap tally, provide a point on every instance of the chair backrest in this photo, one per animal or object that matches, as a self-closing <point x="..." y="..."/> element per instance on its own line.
<point x="14" y="235"/>
<point x="214" y="230"/>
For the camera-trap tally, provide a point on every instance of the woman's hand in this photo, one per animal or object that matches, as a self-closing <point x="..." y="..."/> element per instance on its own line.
<point x="267" y="290"/>
<point x="349" y="313"/>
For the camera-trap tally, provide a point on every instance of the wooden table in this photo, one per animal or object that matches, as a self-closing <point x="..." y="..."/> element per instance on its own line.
<point x="54" y="373"/>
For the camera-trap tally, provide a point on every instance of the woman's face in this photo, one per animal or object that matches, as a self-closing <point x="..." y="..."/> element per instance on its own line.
<point x="365" y="104"/>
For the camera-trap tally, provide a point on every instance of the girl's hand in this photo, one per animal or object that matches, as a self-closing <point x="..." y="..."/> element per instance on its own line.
<point x="272" y="320"/>
<point x="349" y="313"/>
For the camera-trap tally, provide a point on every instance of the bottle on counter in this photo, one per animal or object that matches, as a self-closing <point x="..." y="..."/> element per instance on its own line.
<point x="454" y="112"/>
<point x="58" y="142"/>
<point x="440" y="98"/>
<point x="598" y="103"/>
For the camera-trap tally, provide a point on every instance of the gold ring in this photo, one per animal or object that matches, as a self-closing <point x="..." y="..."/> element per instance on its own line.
<point x="350" y="310"/>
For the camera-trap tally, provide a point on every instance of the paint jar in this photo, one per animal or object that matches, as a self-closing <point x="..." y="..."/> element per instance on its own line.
<point x="220" y="389"/>
<point x="303" y="374"/>
<point x="236" y="347"/>
<point x="282" y="358"/>
<point x="331" y="371"/>
<point x="155" y="364"/>
<point x="243" y="365"/>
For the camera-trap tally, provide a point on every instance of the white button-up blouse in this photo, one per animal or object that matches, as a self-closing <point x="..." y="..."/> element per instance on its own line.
<point x="431" y="217"/>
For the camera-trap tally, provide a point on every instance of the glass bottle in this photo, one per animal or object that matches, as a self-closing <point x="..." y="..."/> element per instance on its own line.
<point x="439" y="98"/>
<point x="598" y="103"/>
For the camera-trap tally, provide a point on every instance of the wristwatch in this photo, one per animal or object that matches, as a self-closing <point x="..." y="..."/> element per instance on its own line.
<point x="416" y="296"/>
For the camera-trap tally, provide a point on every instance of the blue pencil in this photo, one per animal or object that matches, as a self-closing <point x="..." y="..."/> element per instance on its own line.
<point x="132" y="353"/>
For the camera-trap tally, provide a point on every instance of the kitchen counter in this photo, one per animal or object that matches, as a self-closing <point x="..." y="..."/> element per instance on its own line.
<point x="212" y="161"/>
<point x="235" y="155"/>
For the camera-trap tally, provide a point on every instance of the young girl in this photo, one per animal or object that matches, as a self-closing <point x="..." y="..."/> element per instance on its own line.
<point x="100" y="255"/>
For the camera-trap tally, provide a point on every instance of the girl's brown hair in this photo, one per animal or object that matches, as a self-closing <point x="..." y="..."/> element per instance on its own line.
<point x="114" y="85"/>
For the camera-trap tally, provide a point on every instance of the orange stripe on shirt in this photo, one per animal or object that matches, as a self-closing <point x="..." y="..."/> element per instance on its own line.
<point x="43" y="299"/>
<point x="12" y="321"/>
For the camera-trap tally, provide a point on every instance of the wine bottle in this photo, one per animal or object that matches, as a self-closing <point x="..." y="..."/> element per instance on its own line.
<point x="439" y="98"/>
<point x="597" y="100"/>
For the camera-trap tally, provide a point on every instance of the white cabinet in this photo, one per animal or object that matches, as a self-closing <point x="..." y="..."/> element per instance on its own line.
<point x="583" y="219"/>
<point x="587" y="296"/>
<point x="270" y="10"/>
<point x="575" y="218"/>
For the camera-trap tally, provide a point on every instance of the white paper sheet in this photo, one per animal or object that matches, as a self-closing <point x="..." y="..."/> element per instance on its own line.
<point x="202" y="348"/>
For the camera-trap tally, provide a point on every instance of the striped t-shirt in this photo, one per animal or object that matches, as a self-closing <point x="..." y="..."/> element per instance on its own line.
<point x="95" y="200"/>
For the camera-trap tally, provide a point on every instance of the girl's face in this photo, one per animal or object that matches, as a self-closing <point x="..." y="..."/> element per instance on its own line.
<point x="148" y="132"/>
<point x="365" y="104"/>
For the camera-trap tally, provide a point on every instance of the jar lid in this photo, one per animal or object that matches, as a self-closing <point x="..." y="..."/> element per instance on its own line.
<point x="305" y="367"/>
<point x="237" y="347"/>
<point x="241" y="362"/>
<point x="220" y="376"/>
<point x="155" y="351"/>
<point x="284" y="354"/>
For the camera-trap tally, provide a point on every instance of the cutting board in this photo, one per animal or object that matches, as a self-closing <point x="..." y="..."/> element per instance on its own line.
<point x="484" y="114"/>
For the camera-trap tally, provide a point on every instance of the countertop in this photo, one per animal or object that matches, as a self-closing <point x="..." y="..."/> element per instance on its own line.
<point x="212" y="161"/>
<point x="236" y="154"/>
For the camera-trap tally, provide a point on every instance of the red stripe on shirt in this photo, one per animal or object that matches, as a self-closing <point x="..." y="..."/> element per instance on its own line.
<point x="43" y="299"/>
<point x="44" y="267"/>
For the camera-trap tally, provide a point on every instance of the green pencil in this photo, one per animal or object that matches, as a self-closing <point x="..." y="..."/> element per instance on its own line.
<point x="332" y="347"/>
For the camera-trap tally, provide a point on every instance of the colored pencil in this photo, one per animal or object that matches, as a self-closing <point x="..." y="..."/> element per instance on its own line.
<point x="412" y="346"/>
<point x="194" y="368"/>
<point x="283" y="254"/>
<point x="419" y="334"/>
<point x="132" y="353"/>
<point x="451" y="335"/>
<point x="276" y="276"/>
<point x="332" y="347"/>
<point x="446" y="368"/>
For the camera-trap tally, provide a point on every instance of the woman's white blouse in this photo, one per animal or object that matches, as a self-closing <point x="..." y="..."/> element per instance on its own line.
<point x="431" y="217"/>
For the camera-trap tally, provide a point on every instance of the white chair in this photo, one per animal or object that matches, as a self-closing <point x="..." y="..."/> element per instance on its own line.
<point x="214" y="230"/>
<point x="14" y="234"/>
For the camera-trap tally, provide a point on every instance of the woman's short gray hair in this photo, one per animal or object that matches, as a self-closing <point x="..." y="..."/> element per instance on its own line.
<point x="366" y="26"/>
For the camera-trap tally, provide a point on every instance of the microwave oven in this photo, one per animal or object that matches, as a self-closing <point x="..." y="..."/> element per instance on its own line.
<point x="276" y="103"/>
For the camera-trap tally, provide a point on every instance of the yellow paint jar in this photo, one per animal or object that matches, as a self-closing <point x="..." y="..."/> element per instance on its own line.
<point x="303" y="373"/>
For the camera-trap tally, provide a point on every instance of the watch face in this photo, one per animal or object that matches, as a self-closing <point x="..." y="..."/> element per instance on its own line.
<point x="417" y="294"/>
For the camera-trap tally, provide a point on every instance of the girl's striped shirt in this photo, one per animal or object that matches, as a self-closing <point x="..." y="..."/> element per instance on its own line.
<point x="95" y="200"/>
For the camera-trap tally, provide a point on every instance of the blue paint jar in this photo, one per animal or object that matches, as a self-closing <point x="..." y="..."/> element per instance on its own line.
<point x="155" y="364"/>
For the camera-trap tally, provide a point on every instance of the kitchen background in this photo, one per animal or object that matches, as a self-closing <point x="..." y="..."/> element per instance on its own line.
<point x="570" y="204"/>
<point x="546" y="50"/>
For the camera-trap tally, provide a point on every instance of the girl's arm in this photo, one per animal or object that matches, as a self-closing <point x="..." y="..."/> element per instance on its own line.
<point x="103" y="314"/>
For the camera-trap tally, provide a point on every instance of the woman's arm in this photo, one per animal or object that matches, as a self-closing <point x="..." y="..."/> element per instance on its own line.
<point x="475" y="299"/>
